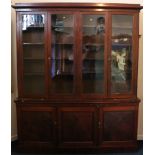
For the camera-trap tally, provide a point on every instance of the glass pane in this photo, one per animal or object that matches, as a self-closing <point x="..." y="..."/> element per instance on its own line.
<point x="121" y="64"/>
<point x="62" y="53"/>
<point x="93" y="54"/>
<point x="33" y="53"/>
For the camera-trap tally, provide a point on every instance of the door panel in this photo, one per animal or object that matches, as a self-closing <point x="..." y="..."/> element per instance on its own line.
<point x="62" y="54"/>
<point x="77" y="127"/>
<point x="37" y="124"/>
<point x="33" y="56"/>
<point x="93" y="48"/>
<point x="118" y="124"/>
<point x="121" y="53"/>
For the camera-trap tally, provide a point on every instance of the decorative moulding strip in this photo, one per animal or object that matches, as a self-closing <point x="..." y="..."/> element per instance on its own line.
<point x="78" y="5"/>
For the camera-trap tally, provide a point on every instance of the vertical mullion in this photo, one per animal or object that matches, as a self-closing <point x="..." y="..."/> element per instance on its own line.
<point x="135" y="52"/>
<point x="46" y="53"/>
<point x="79" y="54"/>
<point x="49" y="43"/>
<point x="108" y="58"/>
<point x="75" y="54"/>
<point x="20" y="71"/>
<point x="106" y="50"/>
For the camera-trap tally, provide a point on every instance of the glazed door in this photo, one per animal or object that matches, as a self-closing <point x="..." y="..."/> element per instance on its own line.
<point x="77" y="127"/>
<point x="93" y="53"/>
<point x="62" y="53"/>
<point x="32" y="50"/>
<point x="123" y="54"/>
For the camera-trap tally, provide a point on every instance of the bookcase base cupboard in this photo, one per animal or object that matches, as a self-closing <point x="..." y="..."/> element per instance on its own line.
<point x="77" y="70"/>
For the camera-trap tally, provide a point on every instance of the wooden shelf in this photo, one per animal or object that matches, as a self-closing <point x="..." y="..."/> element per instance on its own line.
<point x="92" y="72"/>
<point x="62" y="26"/>
<point x="114" y="27"/>
<point x="34" y="74"/>
<point x="63" y="44"/>
<point x="35" y="59"/>
<point x="63" y="30"/>
<point x="92" y="76"/>
<point x="33" y="28"/>
<point x="63" y="76"/>
<point x="92" y="59"/>
<point x="121" y="44"/>
<point x="93" y="44"/>
<point x="88" y="26"/>
<point x="65" y="59"/>
<point x="38" y="43"/>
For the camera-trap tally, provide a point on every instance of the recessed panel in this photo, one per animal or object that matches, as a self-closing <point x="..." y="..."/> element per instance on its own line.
<point x="118" y="125"/>
<point x="37" y="126"/>
<point x="77" y="126"/>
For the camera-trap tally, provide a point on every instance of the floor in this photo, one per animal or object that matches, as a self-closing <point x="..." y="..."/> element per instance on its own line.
<point x="14" y="151"/>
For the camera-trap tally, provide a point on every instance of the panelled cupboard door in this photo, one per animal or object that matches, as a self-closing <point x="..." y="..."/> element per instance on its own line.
<point x="123" y="53"/>
<point x="77" y="127"/>
<point x="31" y="53"/>
<point x="118" y="124"/>
<point x="37" y="124"/>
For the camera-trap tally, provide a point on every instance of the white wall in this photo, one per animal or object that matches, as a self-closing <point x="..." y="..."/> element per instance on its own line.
<point x="96" y="1"/>
<point x="140" y="78"/>
<point x="13" y="76"/>
<point x="14" y="69"/>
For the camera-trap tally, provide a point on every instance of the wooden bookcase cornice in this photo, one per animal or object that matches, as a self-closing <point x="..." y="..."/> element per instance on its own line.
<point x="78" y="5"/>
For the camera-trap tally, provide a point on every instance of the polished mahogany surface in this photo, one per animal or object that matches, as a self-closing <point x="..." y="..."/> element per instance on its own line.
<point x="77" y="66"/>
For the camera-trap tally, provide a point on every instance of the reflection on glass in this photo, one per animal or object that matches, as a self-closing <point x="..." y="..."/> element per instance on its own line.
<point x="33" y="53"/>
<point x="29" y="21"/>
<point x="93" y="54"/>
<point x="121" y="64"/>
<point x="62" y="55"/>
